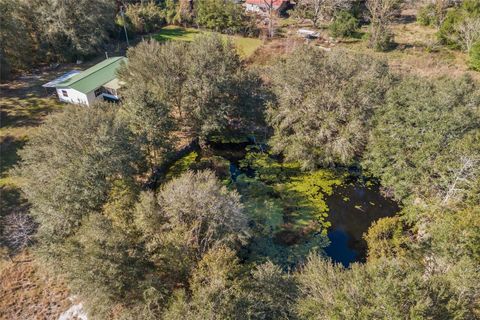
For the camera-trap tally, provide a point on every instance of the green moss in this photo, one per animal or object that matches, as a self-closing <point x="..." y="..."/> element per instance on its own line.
<point x="182" y="165"/>
<point x="306" y="195"/>
<point x="267" y="169"/>
<point x="302" y="194"/>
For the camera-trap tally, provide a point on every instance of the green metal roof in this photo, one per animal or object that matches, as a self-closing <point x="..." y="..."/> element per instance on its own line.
<point x="95" y="76"/>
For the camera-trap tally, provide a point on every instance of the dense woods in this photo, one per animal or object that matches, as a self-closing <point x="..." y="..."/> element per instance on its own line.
<point x="222" y="236"/>
<point x="81" y="175"/>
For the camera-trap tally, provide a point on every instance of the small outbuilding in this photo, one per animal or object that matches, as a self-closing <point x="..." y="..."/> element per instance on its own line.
<point x="85" y="87"/>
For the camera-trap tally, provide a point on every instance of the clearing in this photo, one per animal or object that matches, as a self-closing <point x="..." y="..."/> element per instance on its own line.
<point x="24" y="105"/>
<point x="246" y="46"/>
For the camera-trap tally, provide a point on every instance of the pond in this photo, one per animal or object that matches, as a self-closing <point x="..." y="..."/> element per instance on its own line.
<point x="352" y="210"/>
<point x="293" y="212"/>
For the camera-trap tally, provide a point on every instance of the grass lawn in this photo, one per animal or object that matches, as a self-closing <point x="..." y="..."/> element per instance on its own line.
<point x="245" y="46"/>
<point x="21" y="112"/>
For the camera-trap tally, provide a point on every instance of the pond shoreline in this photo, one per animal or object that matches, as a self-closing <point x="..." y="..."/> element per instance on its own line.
<point x="292" y="211"/>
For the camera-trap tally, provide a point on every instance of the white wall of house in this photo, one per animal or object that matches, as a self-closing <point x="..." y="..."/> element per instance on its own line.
<point x="91" y="97"/>
<point x="73" y="96"/>
<point x="77" y="97"/>
<point x="252" y="8"/>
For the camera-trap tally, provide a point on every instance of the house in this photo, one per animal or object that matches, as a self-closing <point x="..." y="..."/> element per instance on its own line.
<point x="263" y="6"/>
<point x="85" y="87"/>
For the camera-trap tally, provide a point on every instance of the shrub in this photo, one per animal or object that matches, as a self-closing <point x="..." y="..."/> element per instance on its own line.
<point x="344" y="25"/>
<point x="475" y="57"/>
<point x="225" y="17"/>
<point x="460" y="28"/>
<point x="144" y="18"/>
<point x="381" y="40"/>
<point x="427" y="15"/>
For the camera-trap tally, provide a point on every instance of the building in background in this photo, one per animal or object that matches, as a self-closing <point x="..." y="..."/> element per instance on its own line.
<point x="264" y="6"/>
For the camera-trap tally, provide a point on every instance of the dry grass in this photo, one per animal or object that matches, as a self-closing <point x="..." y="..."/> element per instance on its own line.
<point x="27" y="293"/>
<point x="270" y="51"/>
<point x="417" y="51"/>
<point x="24" y="105"/>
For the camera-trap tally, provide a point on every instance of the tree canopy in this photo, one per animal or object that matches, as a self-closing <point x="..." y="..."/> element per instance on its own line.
<point x="425" y="140"/>
<point x="324" y="103"/>
<point x="204" y="83"/>
<point x="53" y="30"/>
<point x="69" y="164"/>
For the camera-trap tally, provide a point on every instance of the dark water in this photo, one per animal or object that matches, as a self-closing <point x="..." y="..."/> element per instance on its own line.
<point x="339" y="249"/>
<point x="353" y="209"/>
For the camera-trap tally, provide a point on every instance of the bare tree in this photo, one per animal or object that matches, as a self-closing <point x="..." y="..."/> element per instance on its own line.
<point x="320" y="10"/>
<point x="381" y="14"/>
<point x="18" y="230"/>
<point x="469" y="32"/>
<point x="272" y="15"/>
<point x="461" y="179"/>
<point x="441" y="7"/>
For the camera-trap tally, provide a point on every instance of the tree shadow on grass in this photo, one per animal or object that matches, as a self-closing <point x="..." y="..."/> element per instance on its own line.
<point x="9" y="147"/>
<point x="25" y="112"/>
<point x="175" y="34"/>
<point x="11" y="200"/>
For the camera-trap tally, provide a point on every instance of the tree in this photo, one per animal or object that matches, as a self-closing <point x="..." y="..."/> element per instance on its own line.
<point x="435" y="12"/>
<point x="74" y="29"/>
<point x="215" y="287"/>
<point x="144" y="17"/>
<point x="70" y="162"/>
<point x="152" y="121"/>
<point x="425" y="138"/>
<point x="18" y="230"/>
<point x="17" y="34"/>
<point x="324" y="102"/>
<point x="104" y="265"/>
<point x="381" y="12"/>
<point x="204" y="83"/>
<point x="387" y="288"/>
<point x="344" y="25"/>
<point x="270" y="293"/>
<point x="272" y="17"/>
<point x="205" y="214"/>
<point x="386" y="238"/>
<point x="460" y="29"/>
<point x="53" y="30"/>
<point x="222" y="16"/>
<point x="469" y="32"/>
<point x="447" y="238"/>
<point x="321" y="10"/>
<point x="475" y="56"/>
<point x="460" y="179"/>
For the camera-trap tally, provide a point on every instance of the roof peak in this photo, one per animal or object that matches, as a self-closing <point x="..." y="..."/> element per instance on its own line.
<point x="95" y="76"/>
<point x="92" y="69"/>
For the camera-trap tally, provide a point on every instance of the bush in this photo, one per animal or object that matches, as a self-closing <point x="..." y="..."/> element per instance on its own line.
<point x="144" y="18"/>
<point x="474" y="61"/>
<point x="427" y="15"/>
<point x="381" y="40"/>
<point x="455" y="31"/>
<point x="344" y="25"/>
<point x="225" y="17"/>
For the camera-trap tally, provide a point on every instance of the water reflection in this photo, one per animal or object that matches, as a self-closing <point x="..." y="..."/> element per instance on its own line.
<point x="352" y="210"/>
